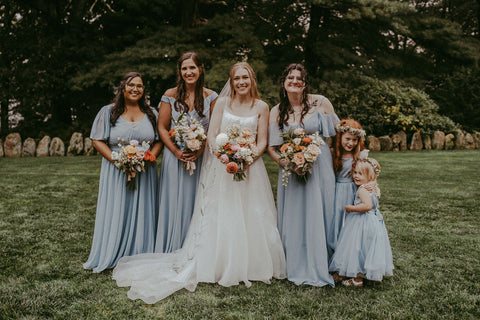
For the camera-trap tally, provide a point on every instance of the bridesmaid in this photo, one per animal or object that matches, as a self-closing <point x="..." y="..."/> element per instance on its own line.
<point x="125" y="219"/>
<point x="178" y="188"/>
<point x="304" y="209"/>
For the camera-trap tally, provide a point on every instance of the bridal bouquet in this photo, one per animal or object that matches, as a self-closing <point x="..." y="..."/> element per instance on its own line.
<point x="300" y="150"/>
<point x="132" y="159"/>
<point x="188" y="134"/>
<point x="236" y="148"/>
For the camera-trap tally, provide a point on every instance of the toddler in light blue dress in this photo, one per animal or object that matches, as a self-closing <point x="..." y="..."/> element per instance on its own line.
<point x="363" y="248"/>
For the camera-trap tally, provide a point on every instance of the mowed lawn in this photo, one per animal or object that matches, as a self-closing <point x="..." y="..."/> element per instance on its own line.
<point x="430" y="202"/>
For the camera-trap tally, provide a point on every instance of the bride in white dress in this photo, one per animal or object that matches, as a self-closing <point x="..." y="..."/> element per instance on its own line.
<point x="233" y="235"/>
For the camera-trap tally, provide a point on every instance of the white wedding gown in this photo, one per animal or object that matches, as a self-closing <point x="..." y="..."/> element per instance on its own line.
<point x="232" y="238"/>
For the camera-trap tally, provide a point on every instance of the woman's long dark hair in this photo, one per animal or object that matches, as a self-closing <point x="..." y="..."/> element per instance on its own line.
<point x="285" y="107"/>
<point x="119" y="102"/>
<point x="181" y="94"/>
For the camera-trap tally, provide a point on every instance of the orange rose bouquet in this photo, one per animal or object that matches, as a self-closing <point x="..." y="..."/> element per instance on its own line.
<point x="133" y="158"/>
<point x="236" y="148"/>
<point x="300" y="150"/>
<point x="188" y="134"/>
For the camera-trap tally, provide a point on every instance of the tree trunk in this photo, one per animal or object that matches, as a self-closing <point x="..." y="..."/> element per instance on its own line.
<point x="4" y="117"/>
<point x="311" y="59"/>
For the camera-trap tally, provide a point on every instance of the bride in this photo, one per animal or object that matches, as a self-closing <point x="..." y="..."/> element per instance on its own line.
<point x="233" y="236"/>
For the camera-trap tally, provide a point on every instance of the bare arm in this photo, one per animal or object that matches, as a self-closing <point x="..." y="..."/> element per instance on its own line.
<point x="262" y="128"/>
<point x="272" y="150"/>
<point x="366" y="204"/>
<point x="164" y="118"/>
<point x="157" y="147"/>
<point x="103" y="149"/>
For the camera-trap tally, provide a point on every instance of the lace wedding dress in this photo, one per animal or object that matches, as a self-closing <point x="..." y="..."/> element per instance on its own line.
<point x="232" y="238"/>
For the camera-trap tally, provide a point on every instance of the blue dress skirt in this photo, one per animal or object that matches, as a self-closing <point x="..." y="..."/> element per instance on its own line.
<point x="345" y="190"/>
<point x="177" y="188"/>
<point x="363" y="248"/>
<point x="125" y="219"/>
<point x="305" y="209"/>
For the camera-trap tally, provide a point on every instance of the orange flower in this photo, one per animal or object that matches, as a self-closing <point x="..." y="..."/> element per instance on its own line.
<point x="232" y="167"/>
<point x="227" y="146"/>
<point x="171" y="133"/>
<point x="307" y="139"/>
<point x="148" y="156"/>
<point x="284" y="147"/>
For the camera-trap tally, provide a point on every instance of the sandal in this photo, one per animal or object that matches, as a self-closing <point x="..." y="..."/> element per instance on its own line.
<point x="352" y="283"/>
<point x="336" y="277"/>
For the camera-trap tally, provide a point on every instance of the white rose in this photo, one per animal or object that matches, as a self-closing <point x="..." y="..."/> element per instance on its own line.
<point x="299" y="131"/>
<point x="297" y="141"/>
<point x="221" y="139"/>
<point x="314" y="150"/>
<point x="309" y="157"/>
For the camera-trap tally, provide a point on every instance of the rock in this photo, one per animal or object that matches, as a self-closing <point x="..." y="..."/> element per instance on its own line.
<point x="29" y="146"/>
<point x="400" y="139"/>
<point x="386" y="143"/>
<point x="459" y="140"/>
<point x="438" y="141"/>
<point x="416" y="144"/>
<point x="373" y="143"/>
<point x="76" y="144"/>
<point x="427" y="142"/>
<point x="57" y="147"/>
<point x="469" y="142"/>
<point x="42" y="147"/>
<point x="13" y="145"/>
<point x="476" y="139"/>
<point x="88" y="148"/>
<point x="1" y="148"/>
<point x="449" y="141"/>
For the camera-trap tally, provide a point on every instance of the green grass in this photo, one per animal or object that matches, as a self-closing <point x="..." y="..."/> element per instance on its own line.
<point x="430" y="202"/>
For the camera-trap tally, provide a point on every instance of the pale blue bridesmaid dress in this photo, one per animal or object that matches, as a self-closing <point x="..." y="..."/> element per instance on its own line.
<point x="177" y="188"/>
<point x="125" y="219"/>
<point x="363" y="247"/>
<point x="345" y="190"/>
<point x="305" y="209"/>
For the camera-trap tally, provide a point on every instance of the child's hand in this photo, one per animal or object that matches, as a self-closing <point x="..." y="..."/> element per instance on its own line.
<point x="349" y="208"/>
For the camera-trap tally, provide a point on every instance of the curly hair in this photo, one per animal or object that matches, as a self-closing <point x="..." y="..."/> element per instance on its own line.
<point x="119" y="101"/>
<point x="337" y="143"/>
<point x="285" y="107"/>
<point x="181" y="92"/>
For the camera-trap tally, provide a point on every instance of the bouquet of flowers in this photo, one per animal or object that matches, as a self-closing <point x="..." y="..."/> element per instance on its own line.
<point x="300" y="150"/>
<point x="132" y="159"/>
<point x="236" y="148"/>
<point x="188" y="134"/>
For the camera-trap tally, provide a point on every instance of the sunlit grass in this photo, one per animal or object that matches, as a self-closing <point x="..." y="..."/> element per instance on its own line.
<point x="430" y="202"/>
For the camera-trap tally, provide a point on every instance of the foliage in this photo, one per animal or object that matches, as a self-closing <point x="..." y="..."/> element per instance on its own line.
<point x="385" y="106"/>
<point x="47" y="211"/>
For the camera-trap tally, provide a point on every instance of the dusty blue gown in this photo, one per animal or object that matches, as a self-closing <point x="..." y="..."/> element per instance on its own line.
<point x="177" y="188"/>
<point x="345" y="190"/>
<point x="304" y="209"/>
<point x="363" y="246"/>
<point x="125" y="219"/>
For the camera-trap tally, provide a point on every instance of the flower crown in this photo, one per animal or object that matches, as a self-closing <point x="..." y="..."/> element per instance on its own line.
<point x="342" y="129"/>
<point x="363" y="155"/>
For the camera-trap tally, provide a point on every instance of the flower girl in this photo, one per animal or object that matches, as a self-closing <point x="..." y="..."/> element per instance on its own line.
<point x="363" y="249"/>
<point x="348" y="143"/>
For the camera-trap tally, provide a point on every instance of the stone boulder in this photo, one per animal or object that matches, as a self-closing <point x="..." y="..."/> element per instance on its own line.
<point x="459" y="140"/>
<point x="29" y="147"/>
<point x="13" y="145"/>
<point x="416" y="144"/>
<point x="476" y="139"/>
<point x="57" y="147"/>
<point x="469" y="142"/>
<point x="42" y="147"/>
<point x="438" y="141"/>
<point x="1" y="148"/>
<point x="386" y="143"/>
<point x="373" y="143"/>
<point x="399" y="141"/>
<point x="427" y="142"/>
<point x="76" y="144"/>
<point x="449" y="141"/>
<point x="88" y="148"/>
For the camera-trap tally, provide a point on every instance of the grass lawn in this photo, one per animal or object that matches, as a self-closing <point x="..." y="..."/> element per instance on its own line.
<point x="430" y="202"/>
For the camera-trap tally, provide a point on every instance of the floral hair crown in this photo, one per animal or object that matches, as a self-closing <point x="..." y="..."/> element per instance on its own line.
<point x="363" y="155"/>
<point x="358" y="132"/>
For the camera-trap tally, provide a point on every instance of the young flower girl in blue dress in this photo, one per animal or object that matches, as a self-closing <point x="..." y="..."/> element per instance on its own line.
<point x="363" y="249"/>
<point x="348" y="143"/>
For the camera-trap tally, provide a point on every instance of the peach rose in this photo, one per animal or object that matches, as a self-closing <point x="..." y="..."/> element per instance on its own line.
<point x="298" y="159"/>
<point x="194" y="144"/>
<point x="299" y="131"/>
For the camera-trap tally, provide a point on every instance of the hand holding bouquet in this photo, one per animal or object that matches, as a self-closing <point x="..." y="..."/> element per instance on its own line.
<point x="236" y="148"/>
<point x="300" y="151"/>
<point x="132" y="159"/>
<point x="188" y="135"/>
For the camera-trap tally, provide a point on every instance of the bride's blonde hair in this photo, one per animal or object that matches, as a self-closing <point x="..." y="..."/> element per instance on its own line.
<point x="253" y="79"/>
